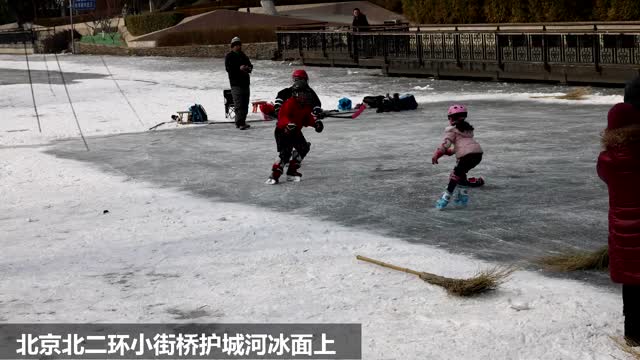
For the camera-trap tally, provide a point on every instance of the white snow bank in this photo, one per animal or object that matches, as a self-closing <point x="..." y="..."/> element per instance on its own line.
<point x="546" y="98"/>
<point x="160" y="252"/>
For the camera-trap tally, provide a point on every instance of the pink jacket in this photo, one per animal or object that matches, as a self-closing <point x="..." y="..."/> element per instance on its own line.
<point x="463" y="143"/>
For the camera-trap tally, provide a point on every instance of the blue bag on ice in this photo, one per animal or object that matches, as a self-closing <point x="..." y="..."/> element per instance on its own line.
<point x="198" y="114"/>
<point x="344" y="104"/>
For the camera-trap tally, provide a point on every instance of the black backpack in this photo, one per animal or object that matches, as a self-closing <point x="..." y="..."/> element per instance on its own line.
<point x="373" y="101"/>
<point x="198" y="114"/>
<point x="407" y="102"/>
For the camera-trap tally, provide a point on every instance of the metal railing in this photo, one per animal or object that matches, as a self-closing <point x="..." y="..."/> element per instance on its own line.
<point x="570" y="44"/>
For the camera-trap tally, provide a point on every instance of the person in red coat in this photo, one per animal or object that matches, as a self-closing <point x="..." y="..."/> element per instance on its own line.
<point x="296" y="112"/>
<point x="619" y="167"/>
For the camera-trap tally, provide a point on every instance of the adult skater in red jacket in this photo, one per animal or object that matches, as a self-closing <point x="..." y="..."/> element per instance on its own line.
<point x="296" y="112"/>
<point x="619" y="168"/>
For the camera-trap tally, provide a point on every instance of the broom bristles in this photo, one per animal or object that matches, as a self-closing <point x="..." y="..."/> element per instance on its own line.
<point x="484" y="281"/>
<point x="572" y="260"/>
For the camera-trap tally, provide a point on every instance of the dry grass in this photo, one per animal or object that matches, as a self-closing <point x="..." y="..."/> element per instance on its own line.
<point x="577" y="94"/>
<point x="622" y="344"/>
<point x="248" y="35"/>
<point x="580" y="93"/>
<point x="482" y="282"/>
<point x="573" y="260"/>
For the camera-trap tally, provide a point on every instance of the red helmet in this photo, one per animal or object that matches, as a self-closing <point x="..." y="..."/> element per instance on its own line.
<point x="300" y="74"/>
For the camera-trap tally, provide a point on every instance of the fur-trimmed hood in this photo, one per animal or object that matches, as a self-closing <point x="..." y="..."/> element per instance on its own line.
<point x="625" y="136"/>
<point x="454" y="129"/>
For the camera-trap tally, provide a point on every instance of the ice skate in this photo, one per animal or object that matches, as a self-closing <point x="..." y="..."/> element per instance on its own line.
<point x="294" y="177"/>
<point x="271" y="181"/>
<point x="292" y="171"/>
<point x="276" y="171"/>
<point x="443" y="201"/>
<point x="461" y="197"/>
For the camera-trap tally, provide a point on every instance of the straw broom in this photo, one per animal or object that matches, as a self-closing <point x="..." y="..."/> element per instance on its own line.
<point x="482" y="282"/>
<point x="572" y="260"/>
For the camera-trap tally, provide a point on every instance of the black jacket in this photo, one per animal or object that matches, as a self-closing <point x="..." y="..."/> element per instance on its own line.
<point x="232" y="63"/>
<point x="286" y="93"/>
<point x="360" y="22"/>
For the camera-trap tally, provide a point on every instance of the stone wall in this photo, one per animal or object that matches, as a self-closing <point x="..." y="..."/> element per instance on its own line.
<point x="16" y="49"/>
<point x="258" y="51"/>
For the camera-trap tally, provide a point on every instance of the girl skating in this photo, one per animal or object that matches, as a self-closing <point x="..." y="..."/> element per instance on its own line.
<point x="458" y="140"/>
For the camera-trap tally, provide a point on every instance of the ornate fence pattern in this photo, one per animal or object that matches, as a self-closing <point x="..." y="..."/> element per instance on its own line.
<point x="551" y="48"/>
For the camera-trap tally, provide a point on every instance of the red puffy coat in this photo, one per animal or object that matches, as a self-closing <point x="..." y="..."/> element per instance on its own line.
<point x="294" y="112"/>
<point x="619" y="168"/>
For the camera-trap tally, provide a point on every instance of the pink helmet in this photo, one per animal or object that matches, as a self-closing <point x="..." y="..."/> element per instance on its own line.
<point x="457" y="109"/>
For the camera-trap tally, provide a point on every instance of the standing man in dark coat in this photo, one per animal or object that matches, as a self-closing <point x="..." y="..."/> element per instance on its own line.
<point x="239" y="67"/>
<point x="360" y="22"/>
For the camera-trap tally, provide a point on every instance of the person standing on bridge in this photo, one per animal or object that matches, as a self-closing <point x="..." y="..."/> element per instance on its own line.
<point x="360" y="22"/>
<point x="619" y="167"/>
<point x="239" y="68"/>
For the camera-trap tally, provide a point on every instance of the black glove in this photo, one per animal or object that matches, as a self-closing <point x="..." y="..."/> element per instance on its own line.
<point x="318" y="112"/>
<point x="290" y="128"/>
<point x="319" y="126"/>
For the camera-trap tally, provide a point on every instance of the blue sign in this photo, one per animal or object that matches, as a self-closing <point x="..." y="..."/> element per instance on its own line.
<point x="84" y="5"/>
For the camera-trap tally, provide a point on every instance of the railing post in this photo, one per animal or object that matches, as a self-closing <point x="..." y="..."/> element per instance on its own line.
<point x="324" y="44"/>
<point x="279" y="44"/>
<point x="419" y="47"/>
<point x="354" y="44"/>
<point x="596" y="51"/>
<point x="545" y="50"/>
<point x="499" y="52"/>
<point x="456" y="45"/>
<point x="385" y="48"/>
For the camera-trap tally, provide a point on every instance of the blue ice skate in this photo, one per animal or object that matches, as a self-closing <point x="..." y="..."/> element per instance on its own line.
<point x="461" y="197"/>
<point x="443" y="201"/>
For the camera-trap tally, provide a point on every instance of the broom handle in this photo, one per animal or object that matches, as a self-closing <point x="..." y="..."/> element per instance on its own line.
<point x="387" y="265"/>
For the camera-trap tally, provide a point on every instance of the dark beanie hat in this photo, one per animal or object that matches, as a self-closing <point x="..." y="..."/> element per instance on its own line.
<point x="632" y="92"/>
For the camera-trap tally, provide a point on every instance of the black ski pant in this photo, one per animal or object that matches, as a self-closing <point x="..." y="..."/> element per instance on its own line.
<point x="464" y="165"/>
<point x="241" y="103"/>
<point x="288" y="142"/>
<point x="631" y="309"/>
